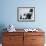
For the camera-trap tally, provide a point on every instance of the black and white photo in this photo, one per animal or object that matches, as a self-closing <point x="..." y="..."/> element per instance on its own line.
<point x="26" y="14"/>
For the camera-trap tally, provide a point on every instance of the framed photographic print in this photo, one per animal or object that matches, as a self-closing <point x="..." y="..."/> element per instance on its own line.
<point x="26" y="14"/>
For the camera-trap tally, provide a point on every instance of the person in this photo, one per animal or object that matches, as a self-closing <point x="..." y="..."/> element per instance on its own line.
<point x="29" y="15"/>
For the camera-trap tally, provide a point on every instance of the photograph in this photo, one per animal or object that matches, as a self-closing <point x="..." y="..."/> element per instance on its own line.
<point x="26" y="14"/>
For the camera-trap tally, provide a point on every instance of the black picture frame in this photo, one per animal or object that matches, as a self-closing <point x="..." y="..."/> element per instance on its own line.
<point x="26" y="14"/>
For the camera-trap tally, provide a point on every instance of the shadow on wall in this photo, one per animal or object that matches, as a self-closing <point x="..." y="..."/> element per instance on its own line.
<point x="2" y="26"/>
